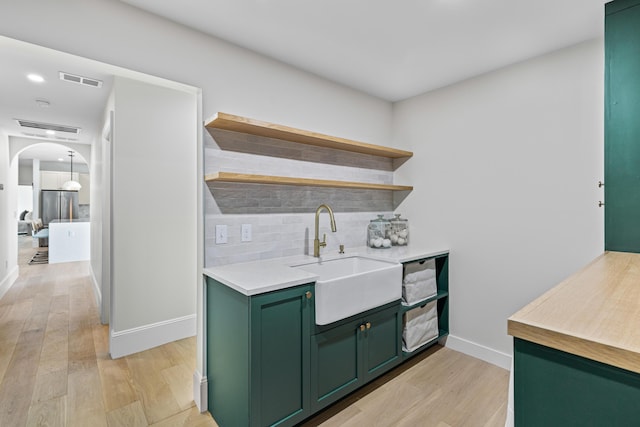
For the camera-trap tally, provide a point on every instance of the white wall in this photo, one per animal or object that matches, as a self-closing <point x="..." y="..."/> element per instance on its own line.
<point x="232" y="79"/>
<point x="100" y="213"/>
<point x="153" y="211"/>
<point x="8" y="222"/>
<point x="25" y="173"/>
<point x="505" y="169"/>
<point x="25" y="199"/>
<point x="36" y="187"/>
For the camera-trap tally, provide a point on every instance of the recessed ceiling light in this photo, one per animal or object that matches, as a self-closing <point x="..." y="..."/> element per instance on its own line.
<point x="36" y="78"/>
<point x="50" y="132"/>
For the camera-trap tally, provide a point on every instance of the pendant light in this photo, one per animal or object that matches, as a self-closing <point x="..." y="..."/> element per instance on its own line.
<point x="71" y="185"/>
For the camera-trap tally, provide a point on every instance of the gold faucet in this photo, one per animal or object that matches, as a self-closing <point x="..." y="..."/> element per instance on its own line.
<point x="317" y="244"/>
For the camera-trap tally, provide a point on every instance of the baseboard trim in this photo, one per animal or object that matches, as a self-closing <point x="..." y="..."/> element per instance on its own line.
<point x="200" y="391"/>
<point x="97" y="293"/>
<point x="129" y="341"/>
<point x="9" y="280"/>
<point x="478" y="351"/>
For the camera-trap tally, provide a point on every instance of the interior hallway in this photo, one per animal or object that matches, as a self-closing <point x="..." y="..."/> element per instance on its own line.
<point x="55" y="371"/>
<point x="54" y="364"/>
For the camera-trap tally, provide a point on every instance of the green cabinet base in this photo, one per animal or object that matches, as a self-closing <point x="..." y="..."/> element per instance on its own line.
<point x="258" y="356"/>
<point x="345" y="357"/>
<point x="269" y="364"/>
<point x="554" y="388"/>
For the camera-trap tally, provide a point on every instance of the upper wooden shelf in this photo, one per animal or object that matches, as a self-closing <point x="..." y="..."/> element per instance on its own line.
<point x="270" y="130"/>
<point x="285" y="180"/>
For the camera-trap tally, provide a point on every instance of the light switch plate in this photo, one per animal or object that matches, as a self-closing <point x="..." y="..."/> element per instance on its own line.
<point x="221" y="234"/>
<point x="246" y="232"/>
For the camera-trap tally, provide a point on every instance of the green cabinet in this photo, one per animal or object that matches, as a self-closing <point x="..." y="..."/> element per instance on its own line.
<point x="347" y="355"/>
<point x="269" y="364"/>
<point x="622" y="127"/>
<point x="554" y="388"/>
<point x="258" y="355"/>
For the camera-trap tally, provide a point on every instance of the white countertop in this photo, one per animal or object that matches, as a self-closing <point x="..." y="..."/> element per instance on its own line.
<point x="257" y="277"/>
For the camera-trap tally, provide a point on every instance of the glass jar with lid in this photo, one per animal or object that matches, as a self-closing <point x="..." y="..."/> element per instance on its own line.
<point x="377" y="233"/>
<point x="399" y="231"/>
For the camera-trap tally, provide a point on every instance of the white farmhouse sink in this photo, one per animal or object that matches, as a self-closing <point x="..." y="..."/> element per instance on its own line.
<point x="348" y="286"/>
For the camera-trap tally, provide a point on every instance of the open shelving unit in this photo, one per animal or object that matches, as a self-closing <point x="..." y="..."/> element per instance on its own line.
<point x="230" y="122"/>
<point x="271" y="130"/>
<point x="285" y="180"/>
<point x="442" y="298"/>
<point x="441" y="294"/>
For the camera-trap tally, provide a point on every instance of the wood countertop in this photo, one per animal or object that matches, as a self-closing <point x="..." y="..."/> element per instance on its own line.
<point x="595" y="313"/>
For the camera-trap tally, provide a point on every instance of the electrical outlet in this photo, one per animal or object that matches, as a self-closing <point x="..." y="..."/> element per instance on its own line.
<point x="221" y="234"/>
<point x="246" y="232"/>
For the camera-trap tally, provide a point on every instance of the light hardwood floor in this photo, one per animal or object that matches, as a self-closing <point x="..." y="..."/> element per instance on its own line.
<point x="55" y="371"/>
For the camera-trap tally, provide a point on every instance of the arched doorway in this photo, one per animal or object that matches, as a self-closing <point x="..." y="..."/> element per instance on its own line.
<point x="42" y="169"/>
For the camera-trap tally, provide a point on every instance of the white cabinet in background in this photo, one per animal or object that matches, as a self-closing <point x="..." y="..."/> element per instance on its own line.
<point x="69" y="241"/>
<point x="53" y="180"/>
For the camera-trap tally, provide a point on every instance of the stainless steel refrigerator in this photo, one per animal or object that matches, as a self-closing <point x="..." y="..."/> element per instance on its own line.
<point x="56" y="204"/>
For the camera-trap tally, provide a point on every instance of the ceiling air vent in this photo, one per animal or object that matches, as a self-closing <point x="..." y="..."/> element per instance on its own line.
<point x="86" y="81"/>
<point x="47" y="126"/>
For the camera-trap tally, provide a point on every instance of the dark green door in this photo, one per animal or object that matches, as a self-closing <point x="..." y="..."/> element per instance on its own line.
<point x="334" y="363"/>
<point x="280" y="334"/>
<point x="381" y="343"/>
<point x="622" y="126"/>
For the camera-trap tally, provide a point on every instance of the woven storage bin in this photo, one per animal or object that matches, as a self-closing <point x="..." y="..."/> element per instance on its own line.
<point x="420" y="326"/>
<point x="419" y="282"/>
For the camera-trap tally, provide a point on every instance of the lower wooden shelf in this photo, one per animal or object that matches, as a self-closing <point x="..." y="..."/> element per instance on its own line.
<point x="286" y="180"/>
<point x="441" y="294"/>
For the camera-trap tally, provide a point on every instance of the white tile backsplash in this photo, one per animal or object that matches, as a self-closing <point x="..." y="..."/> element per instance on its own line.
<point x="282" y="217"/>
<point x="284" y="235"/>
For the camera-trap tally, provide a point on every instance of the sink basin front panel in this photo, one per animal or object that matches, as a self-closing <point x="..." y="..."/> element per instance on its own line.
<point x="350" y="286"/>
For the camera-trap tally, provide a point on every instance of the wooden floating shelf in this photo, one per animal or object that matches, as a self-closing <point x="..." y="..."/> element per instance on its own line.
<point x="270" y="130"/>
<point x="285" y="180"/>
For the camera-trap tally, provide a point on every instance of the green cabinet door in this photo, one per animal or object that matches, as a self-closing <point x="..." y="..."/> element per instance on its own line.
<point x="258" y="356"/>
<point x="334" y="363"/>
<point x="622" y="126"/>
<point x="382" y="343"/>
<point x="347" y="356"/>
<point x="280" y="333"/>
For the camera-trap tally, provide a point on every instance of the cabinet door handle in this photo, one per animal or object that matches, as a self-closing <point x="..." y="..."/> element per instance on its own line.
<point x="362" y="327"/>
<point x="368" y="325"/>
<point x="308" y="294"/>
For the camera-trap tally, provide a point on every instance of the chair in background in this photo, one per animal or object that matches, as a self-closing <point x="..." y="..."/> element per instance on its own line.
<point x="40" y="233"/>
